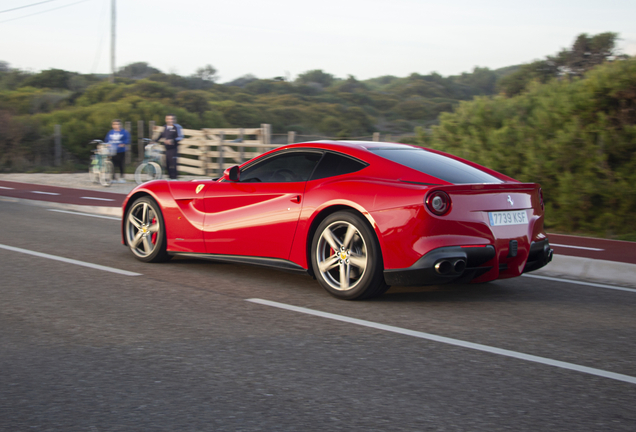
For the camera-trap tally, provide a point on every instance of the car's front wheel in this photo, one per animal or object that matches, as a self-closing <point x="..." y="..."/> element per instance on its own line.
<point x="145" y="231"/>
<point x="346" y="257"/>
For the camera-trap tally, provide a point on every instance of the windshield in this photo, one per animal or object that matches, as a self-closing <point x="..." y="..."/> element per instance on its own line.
<point x="442" y="167"/>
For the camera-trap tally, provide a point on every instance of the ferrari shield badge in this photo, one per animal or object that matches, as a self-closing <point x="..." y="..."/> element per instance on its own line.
<point x="199" y="187"/>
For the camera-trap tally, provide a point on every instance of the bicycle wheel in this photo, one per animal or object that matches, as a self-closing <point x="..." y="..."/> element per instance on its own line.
<point x="93" y="173"/>
<point x="106" y="174"/>
<point x="147" y="171"/>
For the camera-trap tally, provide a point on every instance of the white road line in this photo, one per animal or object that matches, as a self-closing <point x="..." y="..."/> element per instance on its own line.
<point x="592" y="284"/>
<point x="97" y="199"/>
<point x="45" y="193"/>
<point x="85" y="214"/>
<point x="8" y="188"/>
<point x="450" y="341"/>
<point x="69" y="261"/>
<point x="576" y="247"/>
<point x="578" y="237"/>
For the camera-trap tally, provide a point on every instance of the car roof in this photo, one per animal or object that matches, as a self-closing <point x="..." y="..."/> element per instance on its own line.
<point x="348" y="145"/>
<point x="365" y="144"/>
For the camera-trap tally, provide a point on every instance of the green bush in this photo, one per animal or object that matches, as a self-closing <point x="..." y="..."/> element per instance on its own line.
<point x="577" y="138"/>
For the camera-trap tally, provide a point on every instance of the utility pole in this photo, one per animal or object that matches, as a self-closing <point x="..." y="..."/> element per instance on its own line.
<point x="112" y="40"/>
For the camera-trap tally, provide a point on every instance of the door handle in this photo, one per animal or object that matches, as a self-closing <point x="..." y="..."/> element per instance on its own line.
<point x="296" y="199"/>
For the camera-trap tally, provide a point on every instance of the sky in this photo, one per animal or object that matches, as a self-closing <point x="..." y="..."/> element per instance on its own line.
<point x="363" y="38"/>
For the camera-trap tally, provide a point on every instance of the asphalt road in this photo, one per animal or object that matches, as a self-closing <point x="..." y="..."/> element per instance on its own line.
<point x="179" y="348"/>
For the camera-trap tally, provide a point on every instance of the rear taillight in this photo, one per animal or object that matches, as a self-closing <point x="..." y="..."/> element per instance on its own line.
<point x="541" y="199"/>
<point x="438" y="203"/>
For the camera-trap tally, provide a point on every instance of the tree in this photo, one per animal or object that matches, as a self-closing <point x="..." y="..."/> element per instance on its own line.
<point x="350" y="85"/>
<point x="586" y="53"/>
<point x="242" y="81"/>
<point x="52" y="78"/>
<point x="138" y="70"/>
<point x="316" y="76"/>
<point x="193" y="100"/>
<point x="207" y="73"/>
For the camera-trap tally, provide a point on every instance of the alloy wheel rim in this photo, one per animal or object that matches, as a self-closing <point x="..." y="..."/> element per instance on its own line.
<point x="342" y="256"/>
<point x="142" y="230"/>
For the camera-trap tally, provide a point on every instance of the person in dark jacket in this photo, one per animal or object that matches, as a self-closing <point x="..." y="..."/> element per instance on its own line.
<point x="171" y="135"/>
<point x="118" y="139"/>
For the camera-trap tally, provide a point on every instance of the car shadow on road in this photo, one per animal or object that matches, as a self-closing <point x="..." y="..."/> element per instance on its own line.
<point x="486" y="292"/>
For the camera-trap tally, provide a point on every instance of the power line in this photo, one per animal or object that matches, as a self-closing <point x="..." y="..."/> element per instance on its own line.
<point x="41" y="12"/>
<point x="22" y="7"/>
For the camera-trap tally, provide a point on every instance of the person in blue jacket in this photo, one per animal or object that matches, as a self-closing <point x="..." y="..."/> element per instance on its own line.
<point x="118" y="139"/>
<point x="171" y="135"/>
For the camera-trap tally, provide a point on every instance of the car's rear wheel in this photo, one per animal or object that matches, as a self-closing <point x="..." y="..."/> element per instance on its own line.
<point x="346" y="257"/>
<point x="145" y="231"/>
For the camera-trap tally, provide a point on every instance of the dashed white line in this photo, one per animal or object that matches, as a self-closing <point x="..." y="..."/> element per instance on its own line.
<point x="70" y="261"/>
<point x="45" y="193"/>
<point x="577" y="247"/>
<point x="450" y="341"/>
<point x="8" y="188"/>
<point x="86" y="214"/>
<point x="570" y="281"/>
<point x="97" y="199"/>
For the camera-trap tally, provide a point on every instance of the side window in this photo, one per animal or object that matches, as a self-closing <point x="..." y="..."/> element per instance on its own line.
<point x="284" y="168"/>
<point x="333" y="164"/>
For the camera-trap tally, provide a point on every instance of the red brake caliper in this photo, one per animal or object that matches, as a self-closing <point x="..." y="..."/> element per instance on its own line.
<point x="153" y="237"/>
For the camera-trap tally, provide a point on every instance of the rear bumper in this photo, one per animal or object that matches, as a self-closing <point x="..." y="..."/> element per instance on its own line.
<point x="539" y="256"/>
<point x="443" y="265"/>
<point x="461" y="264"/>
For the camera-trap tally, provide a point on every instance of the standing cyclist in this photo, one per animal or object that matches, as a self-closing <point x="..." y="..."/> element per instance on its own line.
<point x="118" y="139"/>
<point x="172" y="134"/>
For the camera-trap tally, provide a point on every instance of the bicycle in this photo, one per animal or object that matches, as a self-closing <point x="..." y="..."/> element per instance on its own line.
<point x="101" y="168"/>
<point x="150" y="168"/>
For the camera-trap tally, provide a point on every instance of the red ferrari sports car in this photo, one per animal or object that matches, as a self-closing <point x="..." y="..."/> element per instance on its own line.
<point x="357" y="216"/>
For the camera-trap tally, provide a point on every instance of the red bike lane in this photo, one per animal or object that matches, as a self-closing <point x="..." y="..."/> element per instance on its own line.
<point x="61" y="194"/>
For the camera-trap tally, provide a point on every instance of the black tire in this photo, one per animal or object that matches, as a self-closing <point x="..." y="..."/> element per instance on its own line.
<point x="145" y="231"/>
<point x="355" y="260"/>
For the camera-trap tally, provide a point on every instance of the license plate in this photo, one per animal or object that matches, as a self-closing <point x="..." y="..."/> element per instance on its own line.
<point x="518" y="217"/>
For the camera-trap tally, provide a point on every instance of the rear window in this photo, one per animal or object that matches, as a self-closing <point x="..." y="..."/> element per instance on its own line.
<point x="442" y="167"/>
<point x="333" y="164"/>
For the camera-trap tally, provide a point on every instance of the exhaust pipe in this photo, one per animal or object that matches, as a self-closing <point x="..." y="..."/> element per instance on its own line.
<point x="446" y="267"/>
<point x="443" y="267"/>
<point x="460" y="266"/>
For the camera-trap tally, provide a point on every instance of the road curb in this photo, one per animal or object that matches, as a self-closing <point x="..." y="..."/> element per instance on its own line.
<point x="591" y="270"/>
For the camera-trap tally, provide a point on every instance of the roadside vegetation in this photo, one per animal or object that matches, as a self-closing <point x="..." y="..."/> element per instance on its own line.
<point x="575" y="133"/>
<point x="316" y="103"/>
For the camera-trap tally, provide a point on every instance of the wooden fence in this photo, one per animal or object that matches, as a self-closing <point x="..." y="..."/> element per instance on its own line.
<point x="209" y="152"/>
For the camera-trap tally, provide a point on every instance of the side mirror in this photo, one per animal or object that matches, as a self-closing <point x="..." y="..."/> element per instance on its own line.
<point x="232" y="174"/>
